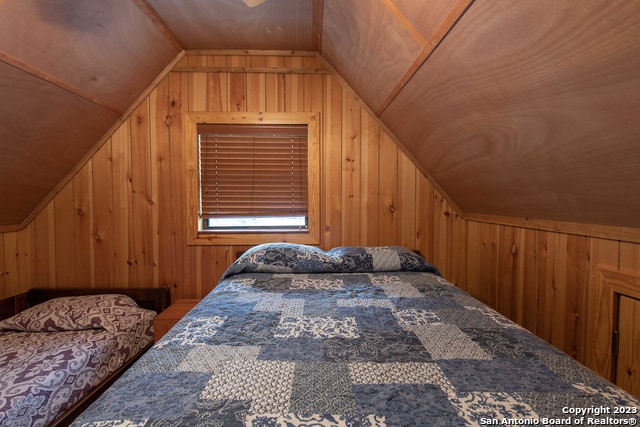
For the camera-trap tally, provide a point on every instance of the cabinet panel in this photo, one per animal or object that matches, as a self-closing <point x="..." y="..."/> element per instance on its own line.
<point x="628" y="365"/>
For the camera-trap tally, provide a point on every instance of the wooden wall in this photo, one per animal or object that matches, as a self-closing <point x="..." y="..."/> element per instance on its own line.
<point x="119" y="220"/>
<point x="544" y="280"/>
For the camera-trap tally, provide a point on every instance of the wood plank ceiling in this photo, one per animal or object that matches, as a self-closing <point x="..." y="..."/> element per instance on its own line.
<point x="527" y="109"/>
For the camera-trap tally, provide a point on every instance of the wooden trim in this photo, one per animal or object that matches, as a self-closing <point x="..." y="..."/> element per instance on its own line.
<point x="405" y="22"/>
<point x="57" y="82"/>
<point x="125" y="116"/>
<point x="10" y="228"/>
<point x="318" y="16"/>
<point x="609" y="232"/>
<point x="249" y="52"/>
<point x="601" y="316"/>
<point x="456" y="12"/>
<point x="13" y="305"/>
<point x="157" y="20"/>
<point x="207" y="69"/>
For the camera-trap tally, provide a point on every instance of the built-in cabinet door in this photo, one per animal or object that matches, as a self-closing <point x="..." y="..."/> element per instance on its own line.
<point x="628" y="363"/>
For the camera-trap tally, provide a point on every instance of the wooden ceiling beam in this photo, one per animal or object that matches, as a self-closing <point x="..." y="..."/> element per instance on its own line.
<point x="16" y="63"/>
<point x="400" y="17"/>
<point x="157" y="20"/>
<point x="318" y="13"/>
<point x="457" y="11"/>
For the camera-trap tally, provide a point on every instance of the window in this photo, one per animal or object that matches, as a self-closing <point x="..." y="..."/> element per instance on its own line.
<point x="252" y="177"/>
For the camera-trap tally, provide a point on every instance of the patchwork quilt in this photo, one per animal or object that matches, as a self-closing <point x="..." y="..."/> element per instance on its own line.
<point x="355" y="336"/>
<point x="53" y="354"/>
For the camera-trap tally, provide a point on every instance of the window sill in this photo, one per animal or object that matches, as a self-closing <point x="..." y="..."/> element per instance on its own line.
<point x="205" y="238"/>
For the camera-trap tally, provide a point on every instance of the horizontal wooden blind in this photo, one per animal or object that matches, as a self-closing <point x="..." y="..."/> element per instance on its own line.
<point x="253" y="170"/>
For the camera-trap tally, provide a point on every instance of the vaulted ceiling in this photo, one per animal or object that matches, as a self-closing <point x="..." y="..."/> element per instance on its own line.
<point x="515" y="108"/>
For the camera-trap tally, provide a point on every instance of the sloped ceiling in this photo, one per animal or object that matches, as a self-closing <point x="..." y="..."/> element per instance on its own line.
<point x="527" y="109"/>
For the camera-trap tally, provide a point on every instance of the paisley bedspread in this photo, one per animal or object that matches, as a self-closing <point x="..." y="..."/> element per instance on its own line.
<point x="51" y="355"/>
<point x="351" y="337"/>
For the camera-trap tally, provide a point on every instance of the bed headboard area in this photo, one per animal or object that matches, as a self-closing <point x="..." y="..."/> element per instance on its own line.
<point x="156" y="299"/>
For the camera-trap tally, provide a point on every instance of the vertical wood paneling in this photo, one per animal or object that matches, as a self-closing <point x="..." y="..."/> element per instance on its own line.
<point x="197" y="95"/>
<point x="160" y="120"/>
<point x="332" y="163"/>
<point x="313" y="93"/>
<point x="83" y="225"/>
<point x="30" y="255"/>
<point x="144" y="237"/>
<point x="369" y="184"/>
<point x="472" y="282"/>
<point x="627" y="373"/>
<point x="508" y="248"/>
<point x="275" y="85"/>
<point x="45" y="247"/>
<point x="178" y="89"/>
<point x="527" y="291"/>
<point x="237" y="92"/>
<point x="256" y="86"/>
<point x="10" y="251"/>
<point x="103" y="232"/>
<point x="217" y="92"/>
<point x="442" y="234"/>
<point x="216" y="60"/>
<point x="458" y="252"/>
<point x="294" y="86"/>
<point x="351" y="164"/>
<point x="215" y="260"/>
<point x="556" y="298"/>
<point x="597" y="337"/>
<point x="156" y="111"/>
<point x="488" y="255"/>
<point x="197" y="101"/>
<point x="406" y="202"/>
<point x="424" y="216"/>
<point x="25" y="260"/>
<point x="576" y="285"/>
<point x="388" y="182"/>
<point x="122" y="212"/>
<point x="547" y="247"/>
<point x="4" y="291"/>
<point x="64" y="226"/>
<point x="120" y="221"/>
<point x="629" y="257"/>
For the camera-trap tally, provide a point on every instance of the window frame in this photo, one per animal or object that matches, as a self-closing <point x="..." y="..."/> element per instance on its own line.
<point x="196" y="234"/>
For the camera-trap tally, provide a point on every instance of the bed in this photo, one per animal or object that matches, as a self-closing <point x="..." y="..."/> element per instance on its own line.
<point x="59" y="349"/>
<point x="354" y="336"/>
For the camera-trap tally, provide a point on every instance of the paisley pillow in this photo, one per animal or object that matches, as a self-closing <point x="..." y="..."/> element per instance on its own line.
<point x="294" y="258"/>
<point x="111" y="312"/>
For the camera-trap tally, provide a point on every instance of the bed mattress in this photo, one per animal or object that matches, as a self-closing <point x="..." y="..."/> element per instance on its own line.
<point x="350" y="337"/>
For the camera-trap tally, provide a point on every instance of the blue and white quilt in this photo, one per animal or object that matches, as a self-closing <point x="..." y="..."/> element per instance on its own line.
<point x="355" y="336"/>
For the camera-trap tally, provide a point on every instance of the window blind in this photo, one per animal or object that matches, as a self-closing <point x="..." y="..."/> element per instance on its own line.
<point x="253" y="170"/>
